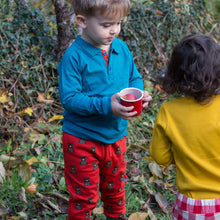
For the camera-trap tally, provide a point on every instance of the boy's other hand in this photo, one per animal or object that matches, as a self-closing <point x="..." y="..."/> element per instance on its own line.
<point x="146" y="99"/>
<point x="120" y="110"/>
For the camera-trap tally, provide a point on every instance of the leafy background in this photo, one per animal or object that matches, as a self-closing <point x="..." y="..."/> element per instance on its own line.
<point x="32" y="185"/>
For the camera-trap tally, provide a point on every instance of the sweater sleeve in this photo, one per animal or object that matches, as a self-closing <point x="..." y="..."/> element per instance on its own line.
<point x="160" y="147"/>
<point x="70" y="87"/>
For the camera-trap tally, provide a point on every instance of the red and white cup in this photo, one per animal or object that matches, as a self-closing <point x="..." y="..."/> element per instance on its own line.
<point x="137" y="102"/>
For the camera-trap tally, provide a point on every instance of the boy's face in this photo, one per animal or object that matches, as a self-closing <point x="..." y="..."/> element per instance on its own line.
<point x="100" y="30"/>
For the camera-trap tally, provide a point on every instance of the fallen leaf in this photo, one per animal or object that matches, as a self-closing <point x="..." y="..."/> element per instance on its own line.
<point x="136" y="156"/>
<point x="141" y="179"/>
<point x="42" y="99"/>
<point x="16" y="161"/>
<point x="159" y="12"/>
<point x="56" y="117"/>
<point x="32" y="188"/>
<point x="22" y="195"/>
<point x="40" y="127"/>
<point x="32" y="160"/>
<point x="34" y="137"/>
<point x="161" y="200"/>
<point x="151" y="214"/>
<point x="5" y="95"/>
<point x="135" y="171"/>
<point x="6" y="158"/>
<point x="178" y="10"/>
<point x="158" y="87"/>
<point x="148" y="159"/>
<point x="50" y="90"/>
<point x="167" y="185"/>
<point x="158" y="182"/>
<point x="12" y="217"/>
<point x="38" y="150"/>
<point x="37" y="5"/>
<point x="28" y="111"/>
<point x="25" y="171"/>
<point x="23" y="215"/>
<point x="3" y="98"/>
<point x="2" y="172"/>
<point x="153" y="178"/>
<point x="3" y="211"/>
<point x="138" y="216"/>
<point x="98" y="210"/>
<point x="155" y="169"/>
<point x="22" y="63"/>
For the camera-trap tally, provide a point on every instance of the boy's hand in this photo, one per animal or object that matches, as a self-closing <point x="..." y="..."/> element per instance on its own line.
<point x="125" y="112"/>
<point x="146" y="99"/>
<point x="120" y="110"/>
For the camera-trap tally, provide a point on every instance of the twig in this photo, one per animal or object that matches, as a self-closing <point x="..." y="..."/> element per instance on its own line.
<point x="59" y="196"/>
<point x="42" y="67"/>
<point x="48" y="202"/>
<point x="138" y="146"/>
<point x="15" y="81"/>
<point x="162" y="56"/>
<point x="17" y="45"/>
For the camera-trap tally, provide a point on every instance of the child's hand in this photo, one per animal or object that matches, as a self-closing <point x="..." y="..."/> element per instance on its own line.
<point x="146" y="99"/>
<point x="120" y="110"/>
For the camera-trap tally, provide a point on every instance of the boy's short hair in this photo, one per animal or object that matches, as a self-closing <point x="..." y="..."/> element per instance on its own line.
<point x="103" y="7"/>
<point x="194" y="68"/>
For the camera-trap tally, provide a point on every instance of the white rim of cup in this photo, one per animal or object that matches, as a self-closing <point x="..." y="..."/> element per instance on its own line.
<point x="121" y="93"/>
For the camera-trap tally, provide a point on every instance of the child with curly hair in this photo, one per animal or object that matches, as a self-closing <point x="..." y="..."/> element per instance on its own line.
<point x="187" y="129"/>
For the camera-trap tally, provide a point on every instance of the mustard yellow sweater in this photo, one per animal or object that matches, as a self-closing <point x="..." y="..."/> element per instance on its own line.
<point x="188" y="134"/>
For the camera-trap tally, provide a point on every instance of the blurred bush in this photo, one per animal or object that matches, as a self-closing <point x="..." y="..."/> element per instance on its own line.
<point x="154" y="27"/>
<point x="27" y="68"/>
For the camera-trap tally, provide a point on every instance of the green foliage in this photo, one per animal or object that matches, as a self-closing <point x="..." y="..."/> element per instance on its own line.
<point x="10" y="191"/>
<point x="27" y="70"/>
<point x="154" y="27"/>
<point x="214" y="7"/>
<point x="27" y="55"/>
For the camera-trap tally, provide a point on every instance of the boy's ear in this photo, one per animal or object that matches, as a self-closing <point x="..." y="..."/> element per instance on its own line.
<point x="81" y="21"/>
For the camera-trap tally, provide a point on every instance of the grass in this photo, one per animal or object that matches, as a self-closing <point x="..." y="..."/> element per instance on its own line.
<point x="48" y="173"/>
<point x="38" y="159"/>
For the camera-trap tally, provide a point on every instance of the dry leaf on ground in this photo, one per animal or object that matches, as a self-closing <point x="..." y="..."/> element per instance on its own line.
<point x="2" y="172"/>
<point x="138" y="216"/>
<point x="98" y="210"/>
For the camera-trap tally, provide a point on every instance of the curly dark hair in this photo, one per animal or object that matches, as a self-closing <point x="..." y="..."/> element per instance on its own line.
<point x="194" y="68"/>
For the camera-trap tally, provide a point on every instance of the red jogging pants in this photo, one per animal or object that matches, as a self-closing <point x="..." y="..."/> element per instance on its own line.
<point x="91" y="166"/>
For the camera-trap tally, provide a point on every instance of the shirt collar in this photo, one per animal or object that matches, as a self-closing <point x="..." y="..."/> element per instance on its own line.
<point x="92" y="50"/>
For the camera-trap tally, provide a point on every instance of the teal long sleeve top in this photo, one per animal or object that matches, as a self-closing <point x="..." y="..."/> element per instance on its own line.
<point x="86" y="86"/>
